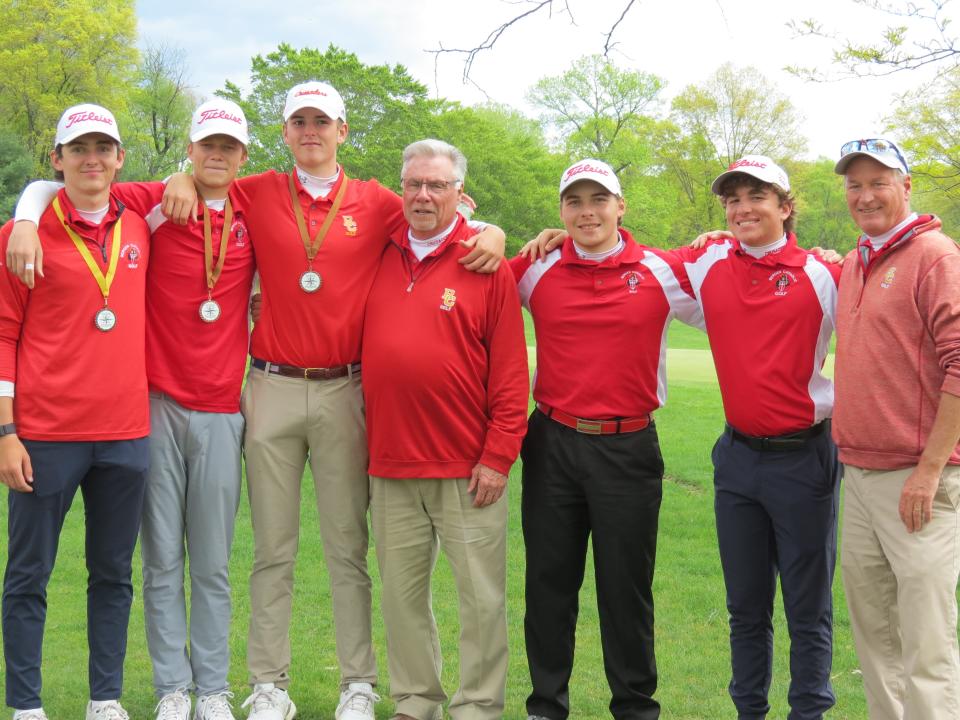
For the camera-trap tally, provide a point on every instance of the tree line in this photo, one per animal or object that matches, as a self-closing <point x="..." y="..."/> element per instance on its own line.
<point x="54" y="53"/>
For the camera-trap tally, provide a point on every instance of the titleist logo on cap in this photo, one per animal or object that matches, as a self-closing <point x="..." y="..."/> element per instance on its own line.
<point x="310" y="92"/>
<point x="746" y="163"/>
<point x="218" y="115"/>
<point x="585" y="167"/>
<point x="79" y="117"/>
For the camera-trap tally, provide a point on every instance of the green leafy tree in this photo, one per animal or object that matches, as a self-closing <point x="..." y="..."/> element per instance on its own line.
<point x="55" y="53"/>
<point x="735" y="112"/>
<point x="928" y="121"/>
<point x="16" y="168"/>
<point x="741" y="113"/>
<point x="600" y="110"/>
<point x="386" y="107"/>
<point x="159" y="109"/>
<point x="512" y="174"/>
<point x="822" y="216"/>
<point x="688" y="166"/>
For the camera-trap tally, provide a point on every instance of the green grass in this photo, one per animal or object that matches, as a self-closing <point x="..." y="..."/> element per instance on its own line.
<point x="692" y="643"/>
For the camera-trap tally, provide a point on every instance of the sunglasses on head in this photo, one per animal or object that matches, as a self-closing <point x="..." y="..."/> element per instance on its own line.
<point x="877" y="146"/>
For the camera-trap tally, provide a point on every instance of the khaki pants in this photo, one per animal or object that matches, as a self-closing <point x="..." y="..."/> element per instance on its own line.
<point x="288" y="421"/>
<point x="410" y="519"/>
<point x="901" y="590"/>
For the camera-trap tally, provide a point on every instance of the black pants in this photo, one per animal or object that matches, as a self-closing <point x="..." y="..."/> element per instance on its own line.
<point x="112" y="478"/>
<point x="610" y="486"/>
<point x="777" y="513"/>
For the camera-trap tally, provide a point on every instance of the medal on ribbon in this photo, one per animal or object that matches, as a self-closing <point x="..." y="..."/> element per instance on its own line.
<point x="105" y="319"/>
<point x="210" y="308"/>
<point x="310" y="281"/>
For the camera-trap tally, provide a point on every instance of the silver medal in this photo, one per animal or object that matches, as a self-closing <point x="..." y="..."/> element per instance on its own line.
<point x="105" y="319"/>
<point x="209" y="311"/>
<point x="310" y="281"/>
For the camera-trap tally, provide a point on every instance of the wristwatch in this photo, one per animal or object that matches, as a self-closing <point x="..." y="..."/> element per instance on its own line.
<point x="8" y="429"/>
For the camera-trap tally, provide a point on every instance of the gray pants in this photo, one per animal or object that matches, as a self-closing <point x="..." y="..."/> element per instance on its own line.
<point x="193" y="492"/>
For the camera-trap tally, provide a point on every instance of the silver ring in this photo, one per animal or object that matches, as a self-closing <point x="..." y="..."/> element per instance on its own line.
<point x="28" y="266"/>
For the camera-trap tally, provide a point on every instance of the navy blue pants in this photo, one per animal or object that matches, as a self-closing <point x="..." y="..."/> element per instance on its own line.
<point x="776" y="513"/>
<point x="111" y="476"/>
<point x="610" y="487"/>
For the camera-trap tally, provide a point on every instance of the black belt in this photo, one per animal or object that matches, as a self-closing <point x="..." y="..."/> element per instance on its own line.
<point x="780" y="443"/>
<point x="330" y="373"/>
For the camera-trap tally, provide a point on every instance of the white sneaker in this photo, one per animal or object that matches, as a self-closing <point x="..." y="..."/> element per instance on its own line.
<point x="356" y="702"/>
<point x="37" y="714"/>
<point x="107" y="710"/>
<point x="214" y="707"/>
<point x="173" y="706"/>
<point x="268" y="702"/>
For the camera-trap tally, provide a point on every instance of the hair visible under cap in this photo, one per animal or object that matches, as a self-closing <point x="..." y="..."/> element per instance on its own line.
<point x="738" y="180"/>
<point x="435" y="148"/>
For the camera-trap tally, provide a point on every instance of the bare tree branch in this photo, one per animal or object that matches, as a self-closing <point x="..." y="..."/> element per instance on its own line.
<point x="535" y="6"/>
<point x="609" y="44"/>
<point x="493" y="36"/>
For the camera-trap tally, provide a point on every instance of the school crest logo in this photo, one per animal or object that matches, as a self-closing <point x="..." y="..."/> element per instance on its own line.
<point x="131" y="254"/>
<point x="239" y="230"/>
<point x="349" y="225"/>
<point x="782" y="280"/>
<point x="632" y="280"/>
<point x="888" y="276"/>
<point x="448" y="299"/>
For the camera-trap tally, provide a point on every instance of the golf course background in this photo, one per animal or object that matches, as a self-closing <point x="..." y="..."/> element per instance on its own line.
<point x="692" y="642"/>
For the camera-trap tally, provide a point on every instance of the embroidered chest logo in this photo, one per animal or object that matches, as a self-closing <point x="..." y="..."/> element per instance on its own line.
<point x="632" y="280"/>
<point x="349" y="225"/>
<point x="131" y="253"/>
<point x="448" y="299"/>
<point x="887" y="280"/>
<point x="239" y="230"/>
<point x="782" y="280"/>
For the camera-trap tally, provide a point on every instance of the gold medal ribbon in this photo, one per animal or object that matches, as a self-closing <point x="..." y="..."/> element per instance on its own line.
<point x="312" y="245"/>
<point x="104" y="281"/>
<point x="213" y="272"/>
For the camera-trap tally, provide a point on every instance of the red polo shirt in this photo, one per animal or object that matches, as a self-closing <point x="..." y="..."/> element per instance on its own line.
<point x="324" y="328"/>
<point x="769" y="321"/>
<point x="602" y="328"/>
<point x="444" y="365"/>
<point x="73" y="381"/>
<point x="199" y="364"/>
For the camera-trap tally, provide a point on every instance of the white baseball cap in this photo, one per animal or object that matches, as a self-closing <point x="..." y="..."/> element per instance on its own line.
<point x="83" y="119"/>
<point x="759" y="166"/>
<point x="317" y="95"/>
<point x="590" y="169"/>
<point x="219" y="117"/>
<point x="883" y="151"/>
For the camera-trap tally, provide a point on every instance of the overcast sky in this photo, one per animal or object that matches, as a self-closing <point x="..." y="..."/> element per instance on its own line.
<point x="682" y="41"/>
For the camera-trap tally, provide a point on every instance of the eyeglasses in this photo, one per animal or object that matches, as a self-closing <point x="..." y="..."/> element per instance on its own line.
<point x="877" y="146"/>
<point x="434" y="187"/>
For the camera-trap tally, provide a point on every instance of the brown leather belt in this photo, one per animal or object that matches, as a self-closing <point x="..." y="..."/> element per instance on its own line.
<point x="595" y="427"/>
<point x="331" y="373"/>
